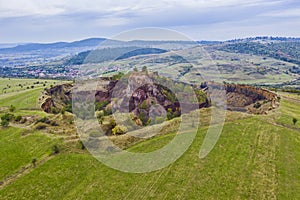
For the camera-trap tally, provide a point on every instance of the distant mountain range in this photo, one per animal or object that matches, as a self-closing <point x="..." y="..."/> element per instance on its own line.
<point x="92" y="43"/>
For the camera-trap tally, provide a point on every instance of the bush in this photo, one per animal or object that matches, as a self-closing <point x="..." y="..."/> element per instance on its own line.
<point x="43" y="120"/>
<point x="257" y="105"/>
<point x="55" y="110"/>
<point x="81" y="145"/>
<point x="144" y="118"/>
<point x="18" y="118"/>
<point x="55" y="149"/>
<point x="101" y="105"/>
<point x="119" y="130"/>
<point x="295" y="121"/>
<point x="68" y="108"/>
<point x="40" y="126"/>
<point x="33" y="161"/>
<point x="12" y="108"/>
<point x="53" y="123"/>
<point x="23" y="120"/>
<point x="143" y="105"/>
<point x="7" y="117"/>
<point x="4" y="123"/>
<point x="159" y="120"/>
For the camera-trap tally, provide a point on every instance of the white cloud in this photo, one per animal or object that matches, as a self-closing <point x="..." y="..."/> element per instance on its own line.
<point x="11" y="8"/>
<point x="39" y="20"/>
<point x="294" y="12"/>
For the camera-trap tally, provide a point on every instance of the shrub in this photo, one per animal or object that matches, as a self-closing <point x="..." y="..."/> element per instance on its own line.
<point x="119" y="130"/>
<point x="53" y="123"/>
<point x="257" y="105"/>
<point x="4" y="123"/>
<point x="55" y="149"/>
<point x="43" y="120"/>
<point x="144" y="118"/>
<point x="295" y="121"/>
<point x="18" y="118"/>
<point x="55" y="110"/>
<point x="159" y="120"/>
<point x="23" y="120"/>
<point x="143" y="105"/>
<point x="144" y="69"/>
<point x="12" y="108"/>
<point x="33" y="161"/>
<point x="62" y="111"/>
<point x="40" y="126"/>
<point x="68" y="108"/>
<point x="81" y="145"/>
<point x="7" y="117"/>
<point x="101" y="105"/>
<point x="99" y="114"/>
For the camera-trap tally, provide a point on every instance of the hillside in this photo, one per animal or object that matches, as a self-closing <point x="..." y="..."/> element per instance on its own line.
<point x="285" y="51"/>
<point x="256" y="157"/>
<point x="139" y="96"/>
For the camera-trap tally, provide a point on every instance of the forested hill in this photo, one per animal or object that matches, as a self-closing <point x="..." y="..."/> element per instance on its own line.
<point x="285" y="51"/>
<point x="106" y="54"/>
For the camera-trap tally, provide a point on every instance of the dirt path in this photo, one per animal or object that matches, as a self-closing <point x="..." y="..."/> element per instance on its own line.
<point x="22" y="172"/>
<point x="291" y="99"/>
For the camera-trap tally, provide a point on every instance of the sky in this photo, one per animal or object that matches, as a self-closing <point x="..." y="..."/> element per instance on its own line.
<point x="69" y="20"/>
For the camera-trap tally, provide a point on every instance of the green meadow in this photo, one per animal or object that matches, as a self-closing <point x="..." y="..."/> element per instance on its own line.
<point x="256" y="157"/>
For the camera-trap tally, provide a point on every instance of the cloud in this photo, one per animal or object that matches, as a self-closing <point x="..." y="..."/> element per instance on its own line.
<point x="294" y="12"/>
<point x="38" y="20"/>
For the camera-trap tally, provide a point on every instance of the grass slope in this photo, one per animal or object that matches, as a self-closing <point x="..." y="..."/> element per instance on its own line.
<point x="18" y="150"/>
<point x="253" y="159"/>
<point x="257" y="157"/>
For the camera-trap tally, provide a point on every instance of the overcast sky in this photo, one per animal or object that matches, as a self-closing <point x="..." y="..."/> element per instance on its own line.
<point x="58" y="20"/>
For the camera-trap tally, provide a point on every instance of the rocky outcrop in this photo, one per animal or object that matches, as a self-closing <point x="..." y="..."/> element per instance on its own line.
<point x="141" y="100"/>
<point x="246" y="98"/>
<point x="57" y="97"/>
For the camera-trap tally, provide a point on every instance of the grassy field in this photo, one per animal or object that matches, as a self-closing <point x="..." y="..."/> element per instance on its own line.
<point x="10" y="85"/>
<point x="19" y="147"/>
<point x="24" y="98"/>
<point x="257" y="157"/>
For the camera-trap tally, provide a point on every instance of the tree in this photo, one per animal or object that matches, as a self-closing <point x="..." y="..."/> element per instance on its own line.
<point x="12" y="108"/>
<point x="33" y="161"/>
<point x="295" y="121"/>
<point x="145" y="69"/>
<point x="55" y="149"/>
<point x="4" y="123"/>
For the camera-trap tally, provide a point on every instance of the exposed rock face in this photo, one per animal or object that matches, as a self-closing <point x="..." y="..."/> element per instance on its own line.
<point x="142" y="99"/>
<point x="243" y="97"/>
<point x="57" y="97"/>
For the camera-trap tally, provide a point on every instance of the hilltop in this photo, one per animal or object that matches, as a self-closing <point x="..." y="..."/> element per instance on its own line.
<point x="256" y="156"/>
